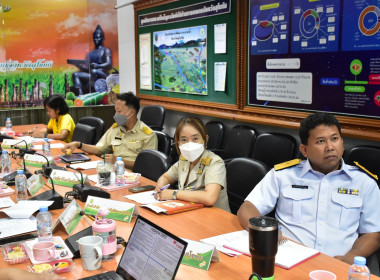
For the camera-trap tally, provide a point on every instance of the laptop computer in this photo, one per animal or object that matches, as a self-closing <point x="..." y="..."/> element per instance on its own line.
<point x="151" y="253"/>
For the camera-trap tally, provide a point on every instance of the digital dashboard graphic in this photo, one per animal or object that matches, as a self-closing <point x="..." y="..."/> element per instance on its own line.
<point x="315" y="55"/>
<point x="315" y="26"/>
<point x="269" y="27"/>
<point x="361" y="25"/>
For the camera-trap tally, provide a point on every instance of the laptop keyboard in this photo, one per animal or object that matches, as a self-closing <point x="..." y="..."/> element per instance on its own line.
<point x="110" y="275"/>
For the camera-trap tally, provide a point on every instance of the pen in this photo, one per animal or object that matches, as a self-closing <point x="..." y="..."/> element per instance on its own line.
<point x="229" y="248"/>
<point x="164" y="187"/>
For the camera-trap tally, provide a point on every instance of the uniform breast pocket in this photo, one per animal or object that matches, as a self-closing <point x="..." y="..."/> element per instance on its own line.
<point x="135" y="146"/>
<point x="346" y="210"/>
<point x="116" y="145"/>
<point x="298" y="204"/>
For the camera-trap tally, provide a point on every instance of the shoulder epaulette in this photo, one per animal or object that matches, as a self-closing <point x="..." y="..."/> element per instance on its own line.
<point x="206" y="161"/>
<point x="147" y="130"/>
<point x="114" y="125"/>
<point x="361" y="167"/>
<point x="287" y="164"/>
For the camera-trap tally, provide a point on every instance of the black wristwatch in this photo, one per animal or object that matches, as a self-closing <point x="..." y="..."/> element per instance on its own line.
<point x="80" y="145"/>
<point x="175" y="194"/>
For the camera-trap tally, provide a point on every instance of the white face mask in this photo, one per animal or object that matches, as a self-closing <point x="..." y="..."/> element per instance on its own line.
<point x="191" y="151"/>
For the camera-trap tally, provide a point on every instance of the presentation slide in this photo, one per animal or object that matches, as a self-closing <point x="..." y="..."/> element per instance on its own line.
<point x="315" y="55"/>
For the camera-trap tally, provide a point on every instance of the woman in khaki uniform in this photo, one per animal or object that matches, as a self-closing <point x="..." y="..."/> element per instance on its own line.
<point x="201" y="174"/>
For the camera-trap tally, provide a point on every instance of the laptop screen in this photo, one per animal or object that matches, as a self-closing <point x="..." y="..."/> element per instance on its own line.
<point x="151" y="253"/>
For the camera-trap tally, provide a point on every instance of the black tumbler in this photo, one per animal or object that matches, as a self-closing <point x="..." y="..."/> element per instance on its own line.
<point x="263" y="242"/>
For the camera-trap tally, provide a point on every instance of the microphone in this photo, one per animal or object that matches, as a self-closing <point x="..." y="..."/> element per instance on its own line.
<point x="10" y="178"/>
<point x="51" y="195"/>
<point x="82" y="191"/>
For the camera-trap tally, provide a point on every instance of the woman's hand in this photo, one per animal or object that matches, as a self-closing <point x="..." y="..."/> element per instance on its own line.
<point x="164" y="194"/>
<point x="38" y="134"/>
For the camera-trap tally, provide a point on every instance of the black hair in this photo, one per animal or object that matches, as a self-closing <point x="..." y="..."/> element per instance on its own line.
<point x="130" y="99"/>
<point x="55" y="102"/>
<point x="313" y="120"/>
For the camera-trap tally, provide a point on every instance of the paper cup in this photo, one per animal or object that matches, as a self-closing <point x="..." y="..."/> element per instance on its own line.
<point x="322" y="275"/>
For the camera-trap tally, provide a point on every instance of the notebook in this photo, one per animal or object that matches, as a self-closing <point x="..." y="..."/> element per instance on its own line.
<point x="151" y="253"/>
<point x="289" y="254"/>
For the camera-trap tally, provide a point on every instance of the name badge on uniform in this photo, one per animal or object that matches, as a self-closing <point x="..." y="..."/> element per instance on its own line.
<point x="134" y="141"/>
<point x="299" y="187"/>
<point x="348" y="191"/>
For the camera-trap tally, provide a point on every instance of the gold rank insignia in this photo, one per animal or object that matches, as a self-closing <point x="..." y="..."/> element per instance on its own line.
<point x="206" y="161"/>
<point x="114" y="125"/>
<point x="366" y="170"/>
<point x="287" y="164"/>
<point x="147" y="130"/>
<point x="181" y="157"/>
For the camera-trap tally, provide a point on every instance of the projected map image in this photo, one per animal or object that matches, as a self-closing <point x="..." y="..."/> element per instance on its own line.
<point x="180" y="60"/>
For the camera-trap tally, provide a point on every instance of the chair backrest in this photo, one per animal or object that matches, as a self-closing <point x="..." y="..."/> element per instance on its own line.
<point x="173" y="154"/>
<point x="215" y="132"/>
<point x="153" y="116"/>
<point x="99" y="125"/>
<point x="164" y="142"/>
<point x="151" y="164"/>
<point x="367" y="156"/>
<point x="273" y="148"/>
<point x="243" y="174"/>
<point x="5" y="136"/>
<point x="84" y="133"/>
<point x="239" y="142"/>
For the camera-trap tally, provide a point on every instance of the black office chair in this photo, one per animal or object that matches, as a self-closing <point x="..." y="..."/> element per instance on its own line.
<point x="164" y="142"/>
<point x="5" y="136"/>
<point x="153" y="116"/>
<point x="243" y="174"/>
<point x="173" y="154"/>
<point x="239" y="143"/>
<point x="97" y="123"/>
<point x="151" y="164"/>
<point x="274" y="148"/>
<point x="215" y="132"/>
<point x="367" y="156"/>
<point x="84" y="133"/>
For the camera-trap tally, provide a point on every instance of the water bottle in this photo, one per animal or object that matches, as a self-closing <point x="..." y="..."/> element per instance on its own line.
<point x="46" y="147"/>
<point x="358" y="270"/>
<point x="5" y="163"/>
<point x="119" y="172"/>
<point x="44" y="224"/>
<point x="8" y="124"/>
<point x="21" y="186"/>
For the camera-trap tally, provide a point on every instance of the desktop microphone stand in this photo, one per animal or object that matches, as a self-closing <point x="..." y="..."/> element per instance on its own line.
<point x="10" y="178"/>
<point x="51" y="195"/>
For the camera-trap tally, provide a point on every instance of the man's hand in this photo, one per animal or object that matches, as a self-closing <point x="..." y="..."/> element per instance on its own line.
<point x="71" y="147"/>
<point x="109" y="158"/>
<point x="347" y="258"/>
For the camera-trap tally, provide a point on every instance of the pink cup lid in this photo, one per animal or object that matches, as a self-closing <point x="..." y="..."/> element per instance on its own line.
<point x="104" y="225"/>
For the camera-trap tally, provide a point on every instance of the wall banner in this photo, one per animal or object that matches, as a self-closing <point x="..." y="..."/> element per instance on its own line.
<point x="200" y="10"/>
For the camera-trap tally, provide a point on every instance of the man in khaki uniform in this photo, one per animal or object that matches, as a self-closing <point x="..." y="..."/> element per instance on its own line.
<point x="126" y="138"/>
